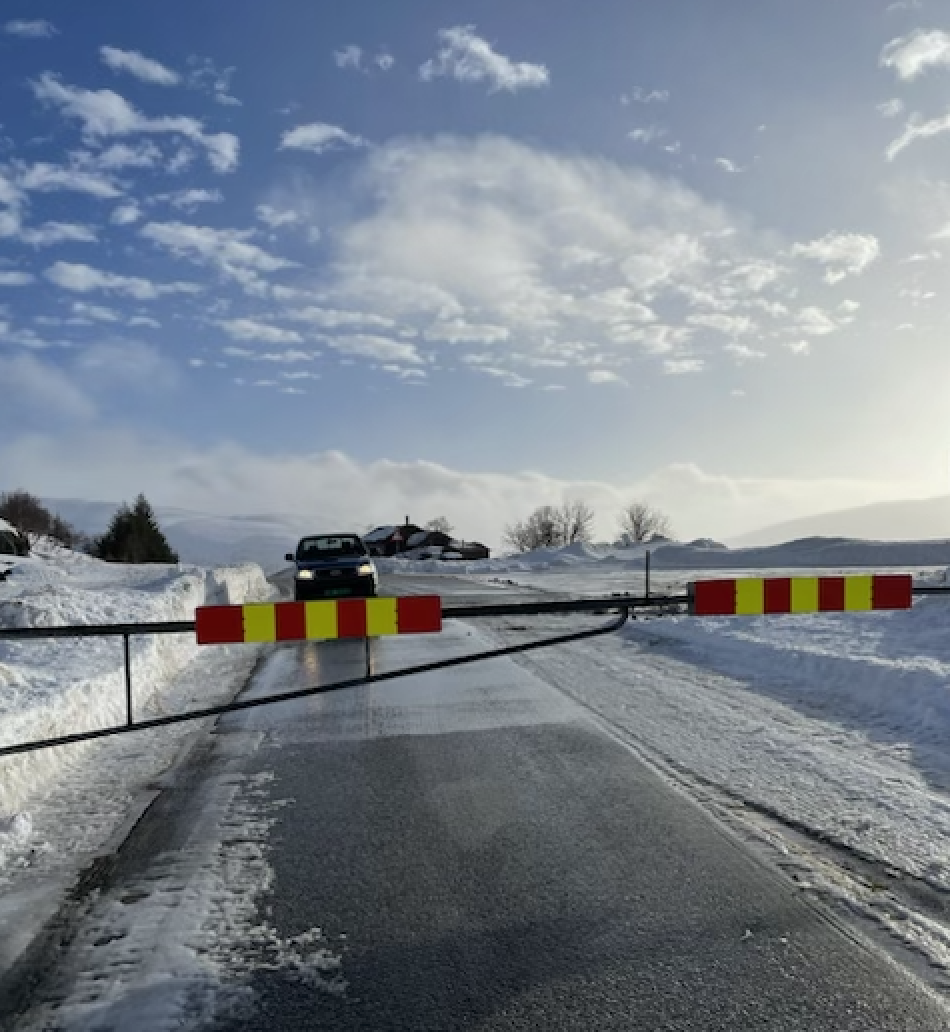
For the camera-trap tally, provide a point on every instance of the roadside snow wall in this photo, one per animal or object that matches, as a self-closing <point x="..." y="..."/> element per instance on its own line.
<point x="51" y="687"/>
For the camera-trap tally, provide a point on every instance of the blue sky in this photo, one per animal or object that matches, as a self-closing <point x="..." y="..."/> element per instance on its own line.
<point x="464" y="259"/>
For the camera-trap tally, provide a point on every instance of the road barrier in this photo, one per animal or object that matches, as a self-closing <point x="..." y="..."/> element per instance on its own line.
<point x="363" y="619"/>
<point x="321" y="620"/>
<point x="754" y="596"/>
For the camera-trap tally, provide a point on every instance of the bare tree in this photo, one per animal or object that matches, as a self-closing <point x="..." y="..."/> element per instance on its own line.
<point x="576" y="520"/>
<point x="542" y="529"/>
<point x="440" y="525"/>
<point x="550" y="526"/>
<point x="640" y="521"/>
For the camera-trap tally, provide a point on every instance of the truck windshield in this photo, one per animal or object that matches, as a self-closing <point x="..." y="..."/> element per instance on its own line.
<point x="327" y="546"/>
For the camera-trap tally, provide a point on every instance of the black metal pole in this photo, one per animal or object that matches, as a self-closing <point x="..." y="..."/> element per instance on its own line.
<point x="647" y="568"/>
<point x="128" y="680"/>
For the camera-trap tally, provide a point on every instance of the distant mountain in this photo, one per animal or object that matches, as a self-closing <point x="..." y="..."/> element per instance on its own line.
<point x="200" y="537"/>
<point x="922" y="519"/>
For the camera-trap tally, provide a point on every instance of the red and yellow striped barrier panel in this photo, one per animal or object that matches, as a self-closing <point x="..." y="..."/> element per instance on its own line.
<point x="755" y="595"/>
<point x="319" y="620"/>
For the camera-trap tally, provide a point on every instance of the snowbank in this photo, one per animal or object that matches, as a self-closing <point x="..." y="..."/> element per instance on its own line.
<point x="58" y="686"/>
<point x="887" y="673"/>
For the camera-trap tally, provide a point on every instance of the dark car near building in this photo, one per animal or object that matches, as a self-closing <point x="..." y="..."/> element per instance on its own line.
<point x="332" y="566"/>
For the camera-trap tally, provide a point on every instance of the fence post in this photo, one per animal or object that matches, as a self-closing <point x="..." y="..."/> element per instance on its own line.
<point x="128" y="679"/>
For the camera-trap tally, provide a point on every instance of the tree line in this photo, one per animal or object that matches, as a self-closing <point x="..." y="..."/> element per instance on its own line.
<point x="133" y="535"/>
<point x="551" y="526"/>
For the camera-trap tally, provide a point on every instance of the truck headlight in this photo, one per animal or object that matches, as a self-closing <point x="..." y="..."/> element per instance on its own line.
<point x="365" y="570"/>
<point x="305" y="575"/>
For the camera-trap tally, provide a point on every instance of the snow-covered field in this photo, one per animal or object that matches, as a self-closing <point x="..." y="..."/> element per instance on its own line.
<point x="57" y="806"/>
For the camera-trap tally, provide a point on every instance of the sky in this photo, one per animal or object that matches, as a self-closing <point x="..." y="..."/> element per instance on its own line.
<point x="366" y="261"/>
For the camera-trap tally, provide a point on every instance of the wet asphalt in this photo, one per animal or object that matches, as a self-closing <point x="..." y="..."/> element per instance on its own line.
<point x="476" y="872"/>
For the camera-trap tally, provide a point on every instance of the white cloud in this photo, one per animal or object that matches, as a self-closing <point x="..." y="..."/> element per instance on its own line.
<point x="913" y="54"/>
<point x="353" y="56"/>
<point x="349" y="56"/>
<point x="726" y="165"/>
<point x="275" y="218"/>
<point x="601" y="376"/>
<point x="743" y="353"/>
<point x="891" y="108"/>
<point x="100" y="313"/>
<point x="642" y="96"/>
<point x="730" y="325"/>
<point x="36" y="29"/>
<point x="125" y="214"/>
<point x="227" y="250"/>
<point x="206" y="76"/>
<point x="51" y="233"/>
<point x="799" y="347"/>
<point x="9" y="278"/>
<point x="647" y="134"/>
<point x="104" y="113"/>
<point x="318" y="137"/>
<point x="144" y="320"/>
<point x="122" y="155"/>
<point x="815" y="323"/>
<point x="190" y="199"/>
<point x="291" y="356"/>
<point x="85" y="278"/>
<point x="10" y="193"/>
<point x="383" y="349"/>
<point x="458" y="331"/>
<point x="44" y="177"/>
<point x="139" y="65"/>
<point x="180" y="160"/>
<point x="842" y="254"/>
<point x="916" y="129"/>
<point x="405" y="374"/>
<point x="334" y="319"/>
<point x="581" y="262"/>
<point x="682" y="366"/>
<point x="507" y="376"/>
<point x="252" y="329"/>
<point x="468" y="58"/>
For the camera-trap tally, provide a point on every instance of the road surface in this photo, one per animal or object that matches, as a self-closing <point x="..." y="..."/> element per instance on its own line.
<point x="470" y="852"/>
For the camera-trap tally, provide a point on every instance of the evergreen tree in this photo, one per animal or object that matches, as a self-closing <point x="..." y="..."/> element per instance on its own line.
<point x="134" y="536"/>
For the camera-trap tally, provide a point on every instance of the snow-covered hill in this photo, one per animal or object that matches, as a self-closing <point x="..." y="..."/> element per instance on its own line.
<point x="920" y="519"/>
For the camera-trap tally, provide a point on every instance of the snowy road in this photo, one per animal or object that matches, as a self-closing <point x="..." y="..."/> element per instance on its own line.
<point x="474" y="848"/>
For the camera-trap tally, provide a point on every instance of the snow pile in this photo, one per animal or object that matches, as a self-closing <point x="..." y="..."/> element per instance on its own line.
<point x="888" y="673"/>
<point x="50" y="687"/>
